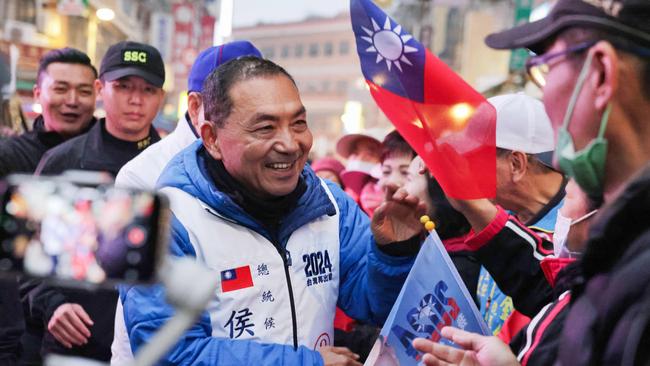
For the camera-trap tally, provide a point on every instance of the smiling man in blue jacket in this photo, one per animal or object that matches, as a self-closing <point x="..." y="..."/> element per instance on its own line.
<point x="289" y="247"/>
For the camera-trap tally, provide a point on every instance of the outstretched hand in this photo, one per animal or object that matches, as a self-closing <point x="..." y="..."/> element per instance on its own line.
<point x="478" y="350"/>
<point x="398" y="217"/>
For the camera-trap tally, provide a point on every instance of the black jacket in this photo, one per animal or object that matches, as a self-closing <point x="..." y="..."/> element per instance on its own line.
<point x="11" y="322"/>
<point x="21" y="154"/>
<point x="99" y="151"/>
<point x="538" y="342"/>
<point x="515" y="255"/>
<point x="96" y="150"/>
<point x="609" y="319"/>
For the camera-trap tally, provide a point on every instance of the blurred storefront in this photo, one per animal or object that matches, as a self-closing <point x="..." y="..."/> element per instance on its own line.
<point x="29" y="28"/>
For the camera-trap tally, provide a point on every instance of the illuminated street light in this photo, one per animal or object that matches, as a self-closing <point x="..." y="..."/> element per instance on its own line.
<point x="105" y="14"/>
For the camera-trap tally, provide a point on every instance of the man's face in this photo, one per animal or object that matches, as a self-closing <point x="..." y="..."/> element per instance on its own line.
<point x="265" y="141"/>
<point x="560" y="83"/>
<point x="131" y="104"/>
<point x="67" y="94"/>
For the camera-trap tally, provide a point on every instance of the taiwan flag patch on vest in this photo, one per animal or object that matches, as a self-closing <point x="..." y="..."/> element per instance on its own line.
<point x="236" y="279"/>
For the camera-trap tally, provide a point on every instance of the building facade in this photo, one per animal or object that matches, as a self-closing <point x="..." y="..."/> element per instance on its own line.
<point x="29" y="28"/>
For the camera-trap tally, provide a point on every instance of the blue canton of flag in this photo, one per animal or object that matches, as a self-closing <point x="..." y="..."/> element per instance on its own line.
<point x="390" y="57"/>
<point x="228" y="275"/>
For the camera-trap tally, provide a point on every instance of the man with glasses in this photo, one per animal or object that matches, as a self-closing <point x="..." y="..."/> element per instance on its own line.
<point x="593" y="64"/>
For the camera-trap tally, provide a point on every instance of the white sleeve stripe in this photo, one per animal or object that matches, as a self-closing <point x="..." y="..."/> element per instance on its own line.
<point x="529" y="331"/>
<point x="512" y="226"/>
<point x="533" y="325"/>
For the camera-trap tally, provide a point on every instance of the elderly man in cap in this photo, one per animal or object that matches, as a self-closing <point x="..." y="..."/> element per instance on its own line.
<point x="593" y="65"/>
<point x="532" y="191"/>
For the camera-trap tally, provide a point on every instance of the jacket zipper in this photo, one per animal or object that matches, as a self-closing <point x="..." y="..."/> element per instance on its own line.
<point x="283" y="254"/>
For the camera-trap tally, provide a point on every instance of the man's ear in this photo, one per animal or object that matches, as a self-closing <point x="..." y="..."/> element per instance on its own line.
<point x="36" y="91"/>
<point x="208" y="134"/>
<point x="194" y="103"/>
<point x="518" y="165"/>
<point x="605" y="80"/>
<point x="98" y="88"/>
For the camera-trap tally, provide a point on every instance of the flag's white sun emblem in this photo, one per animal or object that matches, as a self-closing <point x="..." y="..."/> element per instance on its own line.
<point x="389" y="44"/>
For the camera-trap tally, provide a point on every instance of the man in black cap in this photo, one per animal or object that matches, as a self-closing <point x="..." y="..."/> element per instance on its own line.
<point x="130" y="83"/>
<point x="593" y="63"/>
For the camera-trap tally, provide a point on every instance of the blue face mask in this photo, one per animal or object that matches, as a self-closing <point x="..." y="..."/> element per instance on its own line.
<point x="587" y="166"/>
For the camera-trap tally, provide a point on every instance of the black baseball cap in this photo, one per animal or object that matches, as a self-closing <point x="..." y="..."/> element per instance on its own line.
<point x="133" y="59"/>
<point x="629" y="19"/>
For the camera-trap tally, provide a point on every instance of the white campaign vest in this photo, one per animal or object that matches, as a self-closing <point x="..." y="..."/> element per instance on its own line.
<point x="261" y="310"/>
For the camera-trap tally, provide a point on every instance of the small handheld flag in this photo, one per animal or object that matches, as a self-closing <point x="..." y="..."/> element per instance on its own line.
<point x="433" y="296"/>
<point x="449" y="124"/>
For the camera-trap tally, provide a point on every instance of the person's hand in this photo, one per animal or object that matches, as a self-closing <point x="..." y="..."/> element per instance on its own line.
<point x="478" y="350"/>
<point x="334" y="356"/>
<point x="398" y="217"/>
<point x="69" y="325"/>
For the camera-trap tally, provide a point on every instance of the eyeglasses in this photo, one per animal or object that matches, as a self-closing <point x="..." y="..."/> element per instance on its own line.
<point x="537" y="66"/>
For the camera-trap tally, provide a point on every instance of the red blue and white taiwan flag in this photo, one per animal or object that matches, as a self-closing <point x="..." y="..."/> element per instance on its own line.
<point x="448" y="123"/>
<point x="236" y="279"/>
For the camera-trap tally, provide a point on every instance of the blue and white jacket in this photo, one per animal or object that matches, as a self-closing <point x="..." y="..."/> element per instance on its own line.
<point x="276" y="299"/>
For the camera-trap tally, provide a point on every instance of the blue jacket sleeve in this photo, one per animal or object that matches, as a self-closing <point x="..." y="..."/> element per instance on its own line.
<point x="370" y="279"/>
<point x="146" y="311"/>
